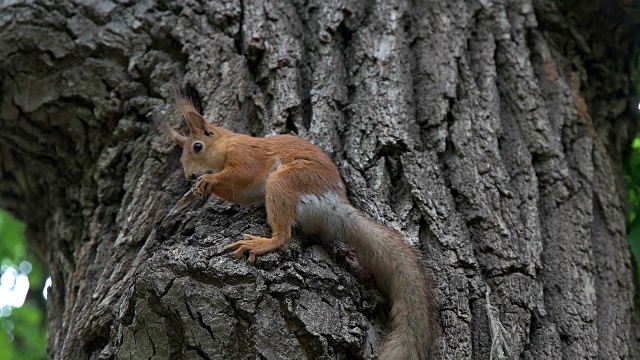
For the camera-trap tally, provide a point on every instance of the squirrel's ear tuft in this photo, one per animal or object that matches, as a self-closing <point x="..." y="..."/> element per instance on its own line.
<point x="196" y="122"/>
<point x="163" y="125"/>
<point x="185" y="104"/>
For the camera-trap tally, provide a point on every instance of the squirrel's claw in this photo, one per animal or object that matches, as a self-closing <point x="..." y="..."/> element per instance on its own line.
<point x="255" y="245"/>
<point x="202" y="187"/>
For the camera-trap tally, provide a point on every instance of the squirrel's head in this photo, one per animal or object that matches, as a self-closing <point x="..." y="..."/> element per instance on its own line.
<point x="197" y="159"/>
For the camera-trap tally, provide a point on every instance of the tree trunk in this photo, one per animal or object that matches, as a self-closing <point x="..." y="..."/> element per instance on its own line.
<point x="490" y="133"/>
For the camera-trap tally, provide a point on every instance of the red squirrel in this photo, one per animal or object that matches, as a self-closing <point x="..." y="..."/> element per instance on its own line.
<point x="302" y="187"/>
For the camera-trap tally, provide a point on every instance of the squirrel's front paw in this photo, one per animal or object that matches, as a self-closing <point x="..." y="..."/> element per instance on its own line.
<point x="203" y="186"/>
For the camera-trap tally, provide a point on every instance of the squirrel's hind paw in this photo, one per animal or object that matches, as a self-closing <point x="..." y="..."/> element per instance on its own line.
<point x="255" y="245"/>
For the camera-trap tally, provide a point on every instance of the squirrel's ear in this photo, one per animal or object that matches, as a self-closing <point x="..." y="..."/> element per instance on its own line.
<point x="185" y="103"/>
<point x="196" y="122"/>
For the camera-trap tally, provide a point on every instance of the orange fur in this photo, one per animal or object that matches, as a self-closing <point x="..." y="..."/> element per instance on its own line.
<point x="300" y="185"/>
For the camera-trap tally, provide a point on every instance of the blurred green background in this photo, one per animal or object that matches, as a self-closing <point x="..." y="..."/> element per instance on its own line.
<point x="632" y="174"/>
<point x="23" y="328"/>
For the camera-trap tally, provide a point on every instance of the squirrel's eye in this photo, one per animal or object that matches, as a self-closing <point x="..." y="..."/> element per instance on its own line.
<point x="197" y="147"/>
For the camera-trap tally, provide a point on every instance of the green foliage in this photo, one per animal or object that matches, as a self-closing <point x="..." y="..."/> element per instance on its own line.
<point x="12" y="246"/>
<point x="632" y="174"/>
<point x="23" y="333"/>
<point x="27" y="337"/>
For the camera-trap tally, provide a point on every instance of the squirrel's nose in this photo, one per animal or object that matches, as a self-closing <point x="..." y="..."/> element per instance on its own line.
<point x="191" y="177"/>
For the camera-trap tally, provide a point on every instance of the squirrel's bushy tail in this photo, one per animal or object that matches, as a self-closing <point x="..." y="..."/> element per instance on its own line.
<point x="396" y="267"/>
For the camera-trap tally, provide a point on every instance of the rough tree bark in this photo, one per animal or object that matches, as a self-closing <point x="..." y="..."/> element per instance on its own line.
<point x="489" y="132"/>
